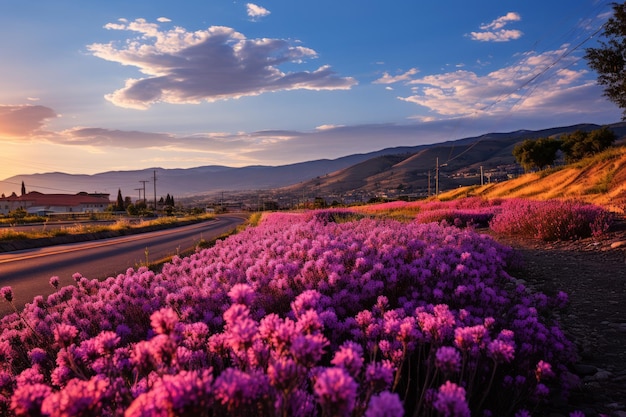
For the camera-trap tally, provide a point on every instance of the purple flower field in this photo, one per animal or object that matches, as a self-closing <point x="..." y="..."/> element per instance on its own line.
<point x="325" y="313"/>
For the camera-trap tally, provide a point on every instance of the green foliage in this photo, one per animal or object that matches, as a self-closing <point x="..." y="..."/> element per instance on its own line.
<point x="609" y="59"/>
<point x="537" y="153"/>
<point x="580" y="144"/>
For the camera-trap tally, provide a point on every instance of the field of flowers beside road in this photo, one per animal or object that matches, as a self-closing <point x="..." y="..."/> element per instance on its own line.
<point x="325" y="313"/>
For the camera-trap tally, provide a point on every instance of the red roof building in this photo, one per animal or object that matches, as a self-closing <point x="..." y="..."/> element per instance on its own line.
<point x="37" y="203"/>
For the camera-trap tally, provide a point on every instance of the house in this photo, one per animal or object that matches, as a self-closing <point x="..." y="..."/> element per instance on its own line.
<point x="37" y="203"/>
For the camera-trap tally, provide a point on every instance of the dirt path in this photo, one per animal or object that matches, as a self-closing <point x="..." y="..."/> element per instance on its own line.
<point x="593" y="273"/>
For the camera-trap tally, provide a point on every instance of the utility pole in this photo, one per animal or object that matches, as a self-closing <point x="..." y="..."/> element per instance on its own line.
<point x="138" y="189"/>
<point x="437" y="177"/>
<point x="155" y="201"/>
<point x="143" y="182"/>
<point x="482" y="181"/>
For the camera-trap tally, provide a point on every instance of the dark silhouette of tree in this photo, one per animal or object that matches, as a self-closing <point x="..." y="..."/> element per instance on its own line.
<point x="580" y="144"/>
<point x="119" y="205"/>
<point x="609" y="59"/>
<point x="23" y="188"/>
<point x="538" y="153"/>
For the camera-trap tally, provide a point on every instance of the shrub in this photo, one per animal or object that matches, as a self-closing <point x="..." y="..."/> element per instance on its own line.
<point x="294" y="317"/>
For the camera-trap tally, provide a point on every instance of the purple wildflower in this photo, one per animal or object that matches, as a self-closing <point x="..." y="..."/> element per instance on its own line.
<point x="336" y="391"/>
<point x="385" y="404"/>
<point x="450" y="401"/>
<point x="379" y="375"/>
<point x="448" y="359"/>
<point x="308" y="349"/>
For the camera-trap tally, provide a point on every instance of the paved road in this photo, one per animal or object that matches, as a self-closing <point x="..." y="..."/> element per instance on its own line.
<point x="28" y="272"/>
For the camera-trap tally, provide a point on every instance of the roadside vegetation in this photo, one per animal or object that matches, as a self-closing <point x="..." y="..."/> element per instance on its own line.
<point x="333" y="312"/>
<point x="121" y="225"/>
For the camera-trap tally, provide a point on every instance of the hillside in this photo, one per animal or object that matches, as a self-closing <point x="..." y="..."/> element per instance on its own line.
<point x="414" y="174"/>
<point x="599" y="180"/>
<point x="408" y="170"/>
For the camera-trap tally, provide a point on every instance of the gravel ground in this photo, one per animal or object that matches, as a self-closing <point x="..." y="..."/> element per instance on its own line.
<point x="592" y="272"/>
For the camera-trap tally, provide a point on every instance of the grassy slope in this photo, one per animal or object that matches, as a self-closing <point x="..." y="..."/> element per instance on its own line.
<point x="600" y="180"/>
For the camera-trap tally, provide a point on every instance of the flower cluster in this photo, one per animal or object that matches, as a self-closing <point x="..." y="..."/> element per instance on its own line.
<point x="302" y="315"/>
<point x="551" y="219"/>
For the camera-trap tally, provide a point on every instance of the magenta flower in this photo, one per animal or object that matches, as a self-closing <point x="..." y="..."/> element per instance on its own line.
<point x="27" y="399"/>
<point x="164" y="321"/>
<point x="385" y="404"/>
<point x="77" y="398"/>
<point x="450" y="401"/>
<point x="285" y="373"/>
<point x="234" y="388"/>
<point x="501" y="351"/>
<point x="64" y="334"/>
<point x="349" y="357"/>
<point x="242" y="294"/>
<point x="336" y="391"/>
<point x="54" y="281"/>
<point x="543" y="371"/>
<point x="7" y="293"/>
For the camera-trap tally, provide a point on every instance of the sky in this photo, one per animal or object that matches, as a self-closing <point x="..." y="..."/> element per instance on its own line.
<point x="90" y="86"/>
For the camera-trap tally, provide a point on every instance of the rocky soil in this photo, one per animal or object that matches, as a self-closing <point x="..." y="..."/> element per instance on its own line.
<point x="593" y="273"/>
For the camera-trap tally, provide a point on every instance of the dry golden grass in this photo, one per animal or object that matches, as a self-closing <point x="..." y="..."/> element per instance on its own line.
<point x="600" y="180"/>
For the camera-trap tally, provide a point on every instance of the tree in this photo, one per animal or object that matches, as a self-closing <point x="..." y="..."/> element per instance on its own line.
<point x="119" y="205"/>
<point x="23" y="188"/>
<point x="609" y="59"/>
<point x="580" y="144"/>
<point x="538" y="153"/>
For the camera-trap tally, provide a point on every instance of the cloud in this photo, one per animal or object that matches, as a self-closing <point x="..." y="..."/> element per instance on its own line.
<point x="389" y="79"/>
<point x="535" y="83"/>
<point x="23" y="121"/>
<point x="208" y="65"/>
<point x="255" y="12"/>
<point x="495" y="32"/>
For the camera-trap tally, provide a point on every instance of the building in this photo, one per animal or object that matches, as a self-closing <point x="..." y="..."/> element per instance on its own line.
<point x="43" y="204"/>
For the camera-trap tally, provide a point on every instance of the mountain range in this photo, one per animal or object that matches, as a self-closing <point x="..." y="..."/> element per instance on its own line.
<point x="408" y="169"/>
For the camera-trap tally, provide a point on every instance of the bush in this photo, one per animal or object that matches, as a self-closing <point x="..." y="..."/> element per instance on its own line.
<point x="298" y="316"/>
<point x="551" y="220"/>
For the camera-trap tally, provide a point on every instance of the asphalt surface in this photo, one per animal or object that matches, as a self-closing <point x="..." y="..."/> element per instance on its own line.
<point x="28" y="271"/>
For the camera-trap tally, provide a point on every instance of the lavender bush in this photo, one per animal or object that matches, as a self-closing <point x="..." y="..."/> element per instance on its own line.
<point x="302" y="315"/>
<point x="551" y="219"/>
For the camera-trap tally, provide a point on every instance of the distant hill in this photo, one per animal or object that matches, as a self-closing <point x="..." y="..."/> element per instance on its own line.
<point x="413" y="172"/>
<point x="405" y="169"/>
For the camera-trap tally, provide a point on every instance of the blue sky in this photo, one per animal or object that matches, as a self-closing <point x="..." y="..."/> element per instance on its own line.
<point x="91" y="86"/>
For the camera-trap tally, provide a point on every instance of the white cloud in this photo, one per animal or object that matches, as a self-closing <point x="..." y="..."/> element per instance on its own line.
<point x="532" y="84"/>
<point x="500" y="22"/>
<point x="498" y="36"/>
<point x="208" y="65"/>
<point x="255" y="12"/>
<point x="495" y="32"/>
<point x="163" y="19"/>
<point x="390" y="79"/>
